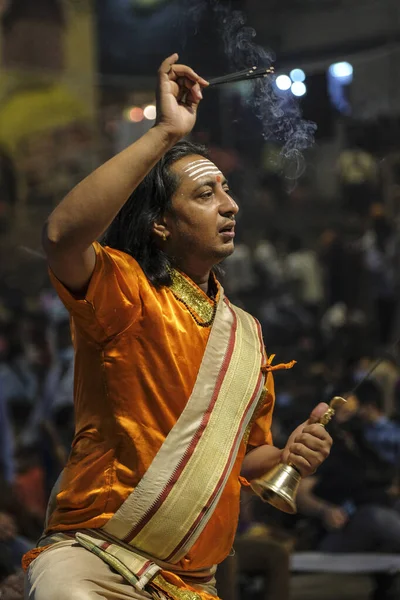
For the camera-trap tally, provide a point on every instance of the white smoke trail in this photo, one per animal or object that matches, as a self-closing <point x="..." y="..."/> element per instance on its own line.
<point x="32" y="252"/>
<point x="281" y="118"/>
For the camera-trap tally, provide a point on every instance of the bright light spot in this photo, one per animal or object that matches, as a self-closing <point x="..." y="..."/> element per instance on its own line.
<point x="136" y="114"/>
<point x="342" y="70"/>
<point x="283" y="82"/>
<point x="297" y="75"/>
<point x="299" y="89"/>
<point x="150" y="112"/>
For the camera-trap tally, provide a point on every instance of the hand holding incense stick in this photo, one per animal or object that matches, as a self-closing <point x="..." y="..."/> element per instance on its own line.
<point x="245" y="75"/>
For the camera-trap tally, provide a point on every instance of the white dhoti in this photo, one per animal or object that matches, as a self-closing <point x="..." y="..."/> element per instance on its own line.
<point x="66" y="571"/>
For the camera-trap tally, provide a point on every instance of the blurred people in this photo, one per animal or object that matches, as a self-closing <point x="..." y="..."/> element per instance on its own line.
<point x="26" y="358"/>
<point x="12" y="588"/>
<point x="303" y="270"/>
<point x="269" y="262"/>
<point x="260" y="551"/>
<point x="18" y="530"/>
<point x="241" y="278"/>
<point x="379" y="431"/>
<point x="377" y="244"/>
<point x="343" y="262"/>
<point x="352" y="496"/>
<point x="8" y="191"/>
<point x="7" y="463"/>
<point x="358" y="176"/>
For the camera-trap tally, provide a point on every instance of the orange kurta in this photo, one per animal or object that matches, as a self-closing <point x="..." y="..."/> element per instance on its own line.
<point x="138" y="352"/>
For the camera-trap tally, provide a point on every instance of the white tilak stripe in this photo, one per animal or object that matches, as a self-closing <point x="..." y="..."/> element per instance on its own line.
<point x="216" y="172"/>
<point x="205" y="168"/>
<point x="196" y="163"/>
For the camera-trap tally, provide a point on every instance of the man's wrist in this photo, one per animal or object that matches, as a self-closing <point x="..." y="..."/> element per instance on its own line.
<point x="166" y="137"/>
<point x="322" y="510"/>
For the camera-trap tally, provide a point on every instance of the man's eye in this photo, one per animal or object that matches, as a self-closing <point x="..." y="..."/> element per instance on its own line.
<point x="226" y="188"/>
<point x="206" y="194"/>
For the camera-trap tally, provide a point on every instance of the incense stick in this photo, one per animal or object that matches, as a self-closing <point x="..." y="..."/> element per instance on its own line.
<point x="245" y="75"/>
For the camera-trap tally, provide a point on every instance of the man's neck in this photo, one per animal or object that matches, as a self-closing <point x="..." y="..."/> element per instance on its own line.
<point x="200" y="277"/>
<point x="202" y="281"/>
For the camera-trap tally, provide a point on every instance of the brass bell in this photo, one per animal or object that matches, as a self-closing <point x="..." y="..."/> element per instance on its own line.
<point x="279" y="486"/>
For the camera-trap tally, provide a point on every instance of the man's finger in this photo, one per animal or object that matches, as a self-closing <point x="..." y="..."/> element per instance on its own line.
<point x="314" y="457"/>
<point x="312" y="441"/>
<point x="185" y="71"/>
<point x="318" y="412"/>
<point x="192" y="86"/>
<point x="167" y="64"/>
<point x="317" y="431"/>
<point x="302" y="464"/>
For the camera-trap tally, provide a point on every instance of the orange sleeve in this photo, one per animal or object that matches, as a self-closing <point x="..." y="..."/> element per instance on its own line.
<point x="112" y="301"/>
<point x="260" y="433"/>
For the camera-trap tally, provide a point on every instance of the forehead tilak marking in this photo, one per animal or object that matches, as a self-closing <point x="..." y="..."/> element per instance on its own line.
<point x="196" y="163"/>
<point x="204" y="168"/>
<point x="207" y="173"/>
<point x="201" y="168"/>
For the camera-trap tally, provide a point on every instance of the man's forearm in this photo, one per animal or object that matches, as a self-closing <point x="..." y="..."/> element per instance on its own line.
<point x="307" y="502"/>
<point x="259" y="461"/>
<point x="87" y="211"/>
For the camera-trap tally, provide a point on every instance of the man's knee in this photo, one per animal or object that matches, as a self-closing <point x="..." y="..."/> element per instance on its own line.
<point x="44" y="587"/>
<point x="60" y="573"/>
<point x="375" y="517"/>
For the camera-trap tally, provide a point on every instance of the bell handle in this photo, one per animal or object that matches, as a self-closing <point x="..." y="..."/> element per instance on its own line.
<point x="334" y="404"/>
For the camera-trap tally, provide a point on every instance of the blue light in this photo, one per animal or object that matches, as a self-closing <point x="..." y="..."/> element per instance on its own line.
<point x="298" y="75"/>
<point x="343" y="71"/>
<point x="299" y="89"/>
<point x="283" y="82"/>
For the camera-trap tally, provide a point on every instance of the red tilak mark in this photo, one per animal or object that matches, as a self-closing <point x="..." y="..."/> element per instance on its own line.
<point x="219" y="178"/>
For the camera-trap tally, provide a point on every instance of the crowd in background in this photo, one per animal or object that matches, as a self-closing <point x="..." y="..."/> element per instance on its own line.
<point x="326" y="292"/>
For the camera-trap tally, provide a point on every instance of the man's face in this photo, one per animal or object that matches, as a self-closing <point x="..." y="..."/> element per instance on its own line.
<point x="201" y="223"/>
<point x="347" y="411"/>
<point x="367" y="413"/>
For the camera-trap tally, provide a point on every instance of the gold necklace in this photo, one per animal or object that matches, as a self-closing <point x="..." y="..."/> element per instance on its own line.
<point x="201" y="308"/>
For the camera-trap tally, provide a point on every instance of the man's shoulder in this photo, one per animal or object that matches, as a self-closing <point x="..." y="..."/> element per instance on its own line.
<point x="118" y="255"/>
<point x="239" y="307"/>
<point x="125" y="262"/>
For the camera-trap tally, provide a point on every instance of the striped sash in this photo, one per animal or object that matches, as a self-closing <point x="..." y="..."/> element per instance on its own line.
<point x="172" y="504"/>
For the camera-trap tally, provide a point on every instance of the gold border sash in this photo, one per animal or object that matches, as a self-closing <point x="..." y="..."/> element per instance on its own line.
<point x="175" y="499"/>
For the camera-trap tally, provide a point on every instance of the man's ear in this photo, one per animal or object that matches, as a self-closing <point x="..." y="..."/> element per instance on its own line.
<point x="161" y="231"/>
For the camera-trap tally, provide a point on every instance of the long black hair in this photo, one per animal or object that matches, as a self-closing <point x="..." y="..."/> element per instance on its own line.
<point x="132" y="229"/>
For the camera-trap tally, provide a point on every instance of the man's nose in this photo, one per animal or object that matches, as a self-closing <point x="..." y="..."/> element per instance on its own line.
<point x="228" y="206"/>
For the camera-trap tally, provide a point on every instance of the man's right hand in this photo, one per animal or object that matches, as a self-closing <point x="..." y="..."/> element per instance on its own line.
<point x="87" y="211"/>
<point x="8" y="529"/>
<point x="334" y="518"/>
<point x="179" y="93"/>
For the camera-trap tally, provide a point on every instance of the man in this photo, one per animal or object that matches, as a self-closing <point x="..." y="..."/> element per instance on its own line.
<point x="170" y="389"/>
<point x="353" y="501"/>
<point x="380" y="431"/>
<point x="351" y="495"/>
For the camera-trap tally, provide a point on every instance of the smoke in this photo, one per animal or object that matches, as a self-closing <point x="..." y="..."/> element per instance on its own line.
<point x="280" y="117"/>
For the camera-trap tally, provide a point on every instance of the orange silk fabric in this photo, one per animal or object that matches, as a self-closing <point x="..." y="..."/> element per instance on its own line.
<point x="138" y="352"/>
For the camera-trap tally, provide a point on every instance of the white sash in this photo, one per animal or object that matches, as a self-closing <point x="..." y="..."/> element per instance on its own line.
<point x="166" y="513"/>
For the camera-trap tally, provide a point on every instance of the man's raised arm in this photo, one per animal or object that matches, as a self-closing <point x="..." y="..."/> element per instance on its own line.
<point x="86" y="212"/>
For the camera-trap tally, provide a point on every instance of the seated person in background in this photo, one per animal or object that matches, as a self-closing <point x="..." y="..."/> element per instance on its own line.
<point x="12" y="588"/>
<point x="260" y="551"/>
<point x="18" y="530"/>
<point x="380" y="431"/>
<point x="351" y="497"/>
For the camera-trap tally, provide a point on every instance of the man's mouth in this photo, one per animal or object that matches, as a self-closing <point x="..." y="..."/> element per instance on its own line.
<point x="228" y="231"/>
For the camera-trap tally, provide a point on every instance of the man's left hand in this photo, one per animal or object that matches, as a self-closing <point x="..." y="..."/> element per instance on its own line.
<point x="309" y="444"/>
